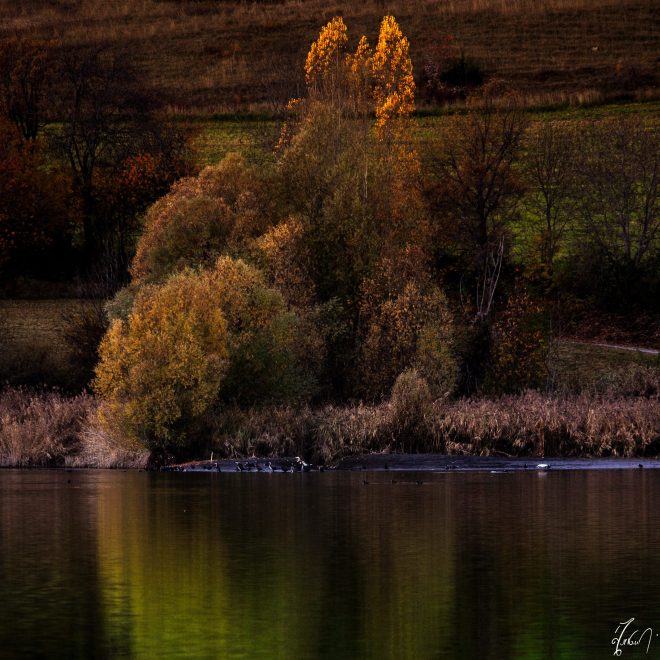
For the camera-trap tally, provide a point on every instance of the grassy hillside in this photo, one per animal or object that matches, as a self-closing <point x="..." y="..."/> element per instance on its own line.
<point x="33" y="344"/>
<point x="215" y="55"/>
<point x="255" y="137"/>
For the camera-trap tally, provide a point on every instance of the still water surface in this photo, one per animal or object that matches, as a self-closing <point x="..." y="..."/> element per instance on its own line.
<point x="467" y="565"/>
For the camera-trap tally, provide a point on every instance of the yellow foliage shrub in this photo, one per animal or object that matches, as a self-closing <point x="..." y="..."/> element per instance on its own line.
<point x="265" y="338"/>
<point x="200" y="338"/>
<point x="199" y="219"/>
<point x="163" y="367"/>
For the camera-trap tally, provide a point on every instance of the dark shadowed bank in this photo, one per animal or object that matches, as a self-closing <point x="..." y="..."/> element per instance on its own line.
<point x="39" y="429"/>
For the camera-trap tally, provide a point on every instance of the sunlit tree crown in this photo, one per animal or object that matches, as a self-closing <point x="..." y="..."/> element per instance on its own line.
<point x="358" y="66"/>
<point x="394" y="91"/>
<point x="326" y="53"/>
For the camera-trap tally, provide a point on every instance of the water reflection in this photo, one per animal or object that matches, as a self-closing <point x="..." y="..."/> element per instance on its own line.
<point x="112" y="564"/>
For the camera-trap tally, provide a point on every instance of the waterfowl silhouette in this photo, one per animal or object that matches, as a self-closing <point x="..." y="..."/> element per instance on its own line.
<point x="301" y="466"/>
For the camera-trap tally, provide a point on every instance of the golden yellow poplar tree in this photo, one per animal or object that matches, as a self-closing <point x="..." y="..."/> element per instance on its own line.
<point x="336" y="160"/>
<point x="394" y="85"/>
<point x="325" y="60"/>
<point x="358" y="67"/>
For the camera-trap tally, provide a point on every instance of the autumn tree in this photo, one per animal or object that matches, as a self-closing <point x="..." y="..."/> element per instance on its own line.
<point x="283" y="255"/>
<point x="617" y="202"/>
<point x="25" y="76"/>
<point x="350" y="181"/>
<point x="550" y="169"/>
<point x="109" y="139"/>
<point x="267" y="356"/>
<point x="202" y="217"/>
<point x="365" y="81"/>
<point x="394" y="85"/>
<point x="198" y="340"/>
<point x="162" y="369"/>
<point x="352" y="191"/>
<point x="325" y="66"/>
<point x="405" y="323"/>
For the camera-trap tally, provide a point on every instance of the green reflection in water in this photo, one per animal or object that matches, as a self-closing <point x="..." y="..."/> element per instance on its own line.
<point x="276" y="566"/>
<point x="110" y="564"/>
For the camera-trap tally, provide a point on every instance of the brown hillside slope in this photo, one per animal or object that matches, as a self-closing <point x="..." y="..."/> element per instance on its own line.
<point x="219" y="55"/>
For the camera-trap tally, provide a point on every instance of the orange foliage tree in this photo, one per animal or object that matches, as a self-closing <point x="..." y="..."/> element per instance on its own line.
<point x="352" y="191"/>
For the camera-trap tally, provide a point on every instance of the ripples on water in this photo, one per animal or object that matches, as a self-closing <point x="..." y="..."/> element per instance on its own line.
<point x="467" y="565"/>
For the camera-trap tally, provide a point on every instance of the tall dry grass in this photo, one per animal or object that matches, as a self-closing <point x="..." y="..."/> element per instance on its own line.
<point x="619" y="416"/>
<point x="48" y="429"/>
<point x="534" y="424"/>
<point x="40" y="429"/>
<point x="101" y="447"/>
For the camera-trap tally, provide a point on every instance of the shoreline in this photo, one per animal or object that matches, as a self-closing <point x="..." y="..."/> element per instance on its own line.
<point x="384" y="463"/>
<point x="621" y="428"/>
<point x="402" y="463"/>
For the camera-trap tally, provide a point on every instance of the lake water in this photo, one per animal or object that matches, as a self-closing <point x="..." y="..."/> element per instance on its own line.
<point x="105" y="564"/>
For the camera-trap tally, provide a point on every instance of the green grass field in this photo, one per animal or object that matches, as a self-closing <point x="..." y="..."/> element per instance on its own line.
<point x="581" y="364"/>
<point x="254" y="136"/>
<point x="213" y="139"/>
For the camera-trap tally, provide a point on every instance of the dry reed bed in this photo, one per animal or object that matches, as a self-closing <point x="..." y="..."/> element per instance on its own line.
<point x="532" y="424"/>
<point x="40" y="429"/>
<point x="48" y="429"/>
<point x="606" y="423"/>
<point x="620" y="416"/>
<point x="246" y="55"/>
<point x="539" y="425"/>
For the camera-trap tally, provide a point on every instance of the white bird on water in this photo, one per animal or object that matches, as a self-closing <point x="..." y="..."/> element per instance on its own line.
<point x="543" y="466"/>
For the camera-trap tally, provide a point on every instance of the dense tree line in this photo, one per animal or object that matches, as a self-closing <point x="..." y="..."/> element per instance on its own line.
<point x="356" y="259"/>
<point x="83" y="155"/>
